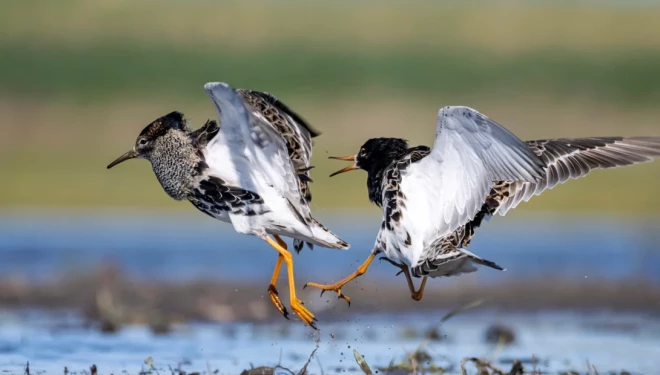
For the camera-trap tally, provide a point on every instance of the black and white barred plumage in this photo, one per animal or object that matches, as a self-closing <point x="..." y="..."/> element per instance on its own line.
<point x="440" y="249"/>
<point x="250" y="169"/>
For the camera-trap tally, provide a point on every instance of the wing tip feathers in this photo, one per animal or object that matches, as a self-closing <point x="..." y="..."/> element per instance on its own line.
<point x="211" y="86"/>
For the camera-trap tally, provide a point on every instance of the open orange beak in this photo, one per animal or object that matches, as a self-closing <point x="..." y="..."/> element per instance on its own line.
<point x="349" y="168"/>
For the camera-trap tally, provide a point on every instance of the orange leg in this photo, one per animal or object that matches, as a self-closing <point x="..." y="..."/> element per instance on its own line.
<point x="415" y="294"/>
<point x="336" y="287"/>
<point x="296" y="305"/>
<point x="272" y="289"/>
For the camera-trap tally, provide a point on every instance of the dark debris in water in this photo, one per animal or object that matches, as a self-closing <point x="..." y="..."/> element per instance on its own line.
<point x="485" y="367"/>
<point x="434" y="334"/>
<point x="416" y="362"/>
<point x="263" y="370"/>
<point x="411" y="366"/>
<point x="500" y="334"/>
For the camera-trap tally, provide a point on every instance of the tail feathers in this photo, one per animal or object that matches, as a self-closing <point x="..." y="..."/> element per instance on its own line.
<point x="323" y="237"/>
<point x="484" y="262"/>
<point x="454" y="262"/>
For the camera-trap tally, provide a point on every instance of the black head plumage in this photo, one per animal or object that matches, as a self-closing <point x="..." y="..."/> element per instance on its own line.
<point x="375" y="156"/>
<point x="160" y="126"/>
<point x="378" y="153"/>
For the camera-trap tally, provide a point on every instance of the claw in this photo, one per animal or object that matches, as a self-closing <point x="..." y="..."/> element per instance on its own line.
<point x="344" y="297"/>
<point x="341" y="295"/>
<point x="334" y="288"/>
<point x="275" y="299"/>
<point x="305" y="315"/>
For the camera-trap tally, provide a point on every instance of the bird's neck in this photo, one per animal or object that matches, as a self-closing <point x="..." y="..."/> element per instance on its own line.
<point x="375" y="175"/>
<point x="375" y="186"/>
<point x="175" y="162"/>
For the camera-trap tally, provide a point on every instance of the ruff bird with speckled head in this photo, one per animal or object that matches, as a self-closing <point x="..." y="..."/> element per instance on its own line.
<point x="250" y="170"/>
<point x="433" y="199"/>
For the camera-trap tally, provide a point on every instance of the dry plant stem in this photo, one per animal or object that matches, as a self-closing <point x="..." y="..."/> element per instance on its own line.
<point x="303" y="371"/>
<point x="482" y="366"/>
<point x="364" y="366"/>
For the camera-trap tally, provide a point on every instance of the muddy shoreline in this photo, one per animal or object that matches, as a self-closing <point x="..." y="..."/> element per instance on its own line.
<point x="105" y="294"/>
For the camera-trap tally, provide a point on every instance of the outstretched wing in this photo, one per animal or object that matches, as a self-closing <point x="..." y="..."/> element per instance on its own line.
<point x="574" y="158"/>
<point x="451" y="184"/>
<point x="295" y="131"/>
<point x="247" y="135"/>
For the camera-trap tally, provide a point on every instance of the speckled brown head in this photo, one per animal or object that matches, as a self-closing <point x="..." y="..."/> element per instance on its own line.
<point x="145" y="142"/>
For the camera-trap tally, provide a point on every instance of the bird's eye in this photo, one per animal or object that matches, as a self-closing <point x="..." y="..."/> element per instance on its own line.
<point x="142" y="142"/>
<point x="363" y="153"/>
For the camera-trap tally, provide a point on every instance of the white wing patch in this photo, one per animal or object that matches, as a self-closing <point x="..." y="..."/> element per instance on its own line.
<point x="446" y="189"/>
<point x="469" y="153"/>
<point x="248" y="135"/>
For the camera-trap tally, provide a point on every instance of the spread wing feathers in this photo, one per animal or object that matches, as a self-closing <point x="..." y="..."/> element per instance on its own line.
<point x="250" y="135"/>
<point x="296" y="132"/>
<point x="470" y="152"/>
<point x="574" y="158"/>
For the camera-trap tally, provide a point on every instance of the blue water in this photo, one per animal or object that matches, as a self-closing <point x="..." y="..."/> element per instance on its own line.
<point x="190" y="245"/>
<point x="559" y="341"/>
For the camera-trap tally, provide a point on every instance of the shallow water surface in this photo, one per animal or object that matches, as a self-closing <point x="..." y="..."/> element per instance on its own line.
<point x="559" y="341"/>
<point x="37" y="245"/>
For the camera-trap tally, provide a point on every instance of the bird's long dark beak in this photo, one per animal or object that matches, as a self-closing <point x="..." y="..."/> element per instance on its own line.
<point x="349" y="168"/>
<point x="129" y="155"/>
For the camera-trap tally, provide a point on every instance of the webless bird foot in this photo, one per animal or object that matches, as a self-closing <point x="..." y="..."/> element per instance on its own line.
<point x="414" y="294"/>
<point x="336" y="287"/>
<point x="275" y="299"/>
<point x="402" y="267"/>
<point x="305" y="315"/>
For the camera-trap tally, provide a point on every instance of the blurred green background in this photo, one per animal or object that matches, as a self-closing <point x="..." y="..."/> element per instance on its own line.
<point x="80" y="79"/>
